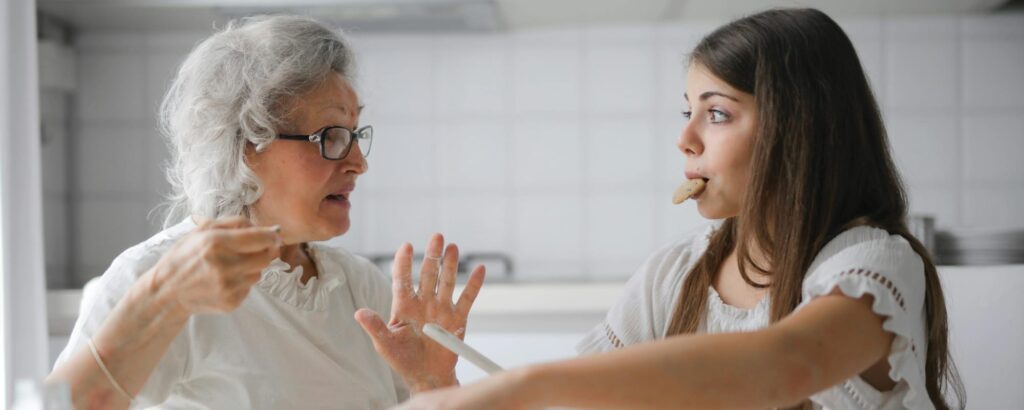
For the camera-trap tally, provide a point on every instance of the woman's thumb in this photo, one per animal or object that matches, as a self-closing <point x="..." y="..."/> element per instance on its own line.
<point x="373" y="325"/>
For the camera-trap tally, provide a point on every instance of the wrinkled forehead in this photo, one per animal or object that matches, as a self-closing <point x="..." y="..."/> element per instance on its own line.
<point x="334" y="102"/>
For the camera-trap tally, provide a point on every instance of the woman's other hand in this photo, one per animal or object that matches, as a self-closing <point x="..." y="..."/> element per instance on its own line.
<point x="423" y="363"/>
<point x="212" y="269"/>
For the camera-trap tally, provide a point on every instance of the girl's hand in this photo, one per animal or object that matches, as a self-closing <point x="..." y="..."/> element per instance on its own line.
<point x="423" y="363"/>
<point x="502" y="391"/>
<point x="212" y="268"/>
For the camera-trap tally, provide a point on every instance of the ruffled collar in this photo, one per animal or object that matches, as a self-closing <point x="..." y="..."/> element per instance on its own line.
<point x="718" y="305"/>
<point x="284" y="285"/>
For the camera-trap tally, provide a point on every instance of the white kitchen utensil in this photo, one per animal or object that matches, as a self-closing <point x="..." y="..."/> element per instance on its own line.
<point x="451" y="342"/>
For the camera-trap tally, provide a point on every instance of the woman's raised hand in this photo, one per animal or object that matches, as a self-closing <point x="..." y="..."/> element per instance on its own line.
<point x="212" y="268"/>
<point x="423" y="363"/>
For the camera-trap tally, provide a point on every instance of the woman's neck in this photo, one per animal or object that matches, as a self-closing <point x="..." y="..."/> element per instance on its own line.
<point x="298" y="255"/>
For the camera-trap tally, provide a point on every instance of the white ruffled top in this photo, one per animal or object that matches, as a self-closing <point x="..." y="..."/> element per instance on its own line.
<point x="289" y="345"/>
<point x="859" y="261"/>
<point x="287" y="286"/>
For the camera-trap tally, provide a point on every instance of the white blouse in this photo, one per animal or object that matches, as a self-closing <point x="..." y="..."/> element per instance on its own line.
<point x="289" y="345"/>
<point x="859" y="261"/>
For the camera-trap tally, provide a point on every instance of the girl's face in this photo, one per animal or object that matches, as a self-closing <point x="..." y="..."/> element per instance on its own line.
<point x="718" y="141"/>
<point x="307" y="195"/>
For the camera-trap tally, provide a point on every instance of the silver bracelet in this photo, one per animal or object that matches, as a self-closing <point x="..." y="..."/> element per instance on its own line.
<point x="103" y="367"/>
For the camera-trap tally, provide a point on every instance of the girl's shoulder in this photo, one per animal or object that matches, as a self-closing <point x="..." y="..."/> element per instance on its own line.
<point x="867" y="247"/>
<point x="866" y="260"/>
<point x="663" y="274"/>
<point x="863" y="261"/>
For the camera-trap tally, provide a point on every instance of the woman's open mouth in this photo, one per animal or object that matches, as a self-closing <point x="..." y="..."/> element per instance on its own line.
<point x="338" y="199"/>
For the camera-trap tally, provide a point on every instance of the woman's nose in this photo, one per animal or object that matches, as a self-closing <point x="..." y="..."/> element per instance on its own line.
<point x="355" y="161"/>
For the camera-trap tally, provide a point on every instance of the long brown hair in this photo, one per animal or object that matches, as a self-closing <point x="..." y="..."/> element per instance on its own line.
<point x="821" y="164"/>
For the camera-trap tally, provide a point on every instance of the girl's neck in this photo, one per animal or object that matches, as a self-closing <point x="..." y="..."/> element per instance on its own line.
<point x="760" y="261"/>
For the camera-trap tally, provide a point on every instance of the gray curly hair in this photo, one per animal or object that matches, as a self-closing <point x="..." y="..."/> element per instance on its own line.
<point x="229" y="92"/>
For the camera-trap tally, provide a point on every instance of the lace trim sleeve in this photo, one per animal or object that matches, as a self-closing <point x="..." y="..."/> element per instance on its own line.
<point x="889" y="271"/>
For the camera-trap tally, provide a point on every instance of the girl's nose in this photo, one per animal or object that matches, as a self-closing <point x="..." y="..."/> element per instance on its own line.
<point x="689" y="141"/>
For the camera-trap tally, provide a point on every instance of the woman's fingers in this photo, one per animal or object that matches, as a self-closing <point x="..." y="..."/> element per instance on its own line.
<point x="230" y="222"/>
<point x="431" y="264"/>
<point x="247" y="240"/>
<point x="449" y="269"/>
<point x="469" y="293"/>
<point x="374" y="326"/>
<point x="255" y="262"/>
<point x="401" y="274"/>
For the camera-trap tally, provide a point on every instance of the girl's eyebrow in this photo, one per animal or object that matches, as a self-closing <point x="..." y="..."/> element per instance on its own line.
<point x="709" y="94"/>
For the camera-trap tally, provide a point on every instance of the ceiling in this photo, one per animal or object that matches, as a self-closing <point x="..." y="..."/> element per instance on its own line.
<point x="462" y="15"/>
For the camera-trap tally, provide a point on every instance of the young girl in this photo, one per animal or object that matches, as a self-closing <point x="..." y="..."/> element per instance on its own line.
<point x="809" y="293"/>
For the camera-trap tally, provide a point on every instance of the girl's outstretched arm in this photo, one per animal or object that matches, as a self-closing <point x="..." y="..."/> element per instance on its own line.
<point x="831" y="339"/>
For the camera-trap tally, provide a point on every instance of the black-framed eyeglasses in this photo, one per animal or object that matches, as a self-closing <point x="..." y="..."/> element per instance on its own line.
<point x="336" y="142"/>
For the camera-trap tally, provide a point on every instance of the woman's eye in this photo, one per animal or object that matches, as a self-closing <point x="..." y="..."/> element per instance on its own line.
<point x="718" y="116"/>
<point x="687" y="114"/>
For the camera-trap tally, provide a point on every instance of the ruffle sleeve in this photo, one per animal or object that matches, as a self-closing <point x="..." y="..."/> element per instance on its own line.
<point x="869" y="261"/>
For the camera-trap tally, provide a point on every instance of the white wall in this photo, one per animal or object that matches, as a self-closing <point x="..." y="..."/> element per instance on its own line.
<point x="557" y="146"/>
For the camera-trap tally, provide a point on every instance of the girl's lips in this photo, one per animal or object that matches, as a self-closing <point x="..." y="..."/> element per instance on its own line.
<point x="695" y="175"/>
<point x="697" y="195"/>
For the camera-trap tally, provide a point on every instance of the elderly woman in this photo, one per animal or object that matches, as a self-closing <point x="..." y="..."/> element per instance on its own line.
<point x="235" y="306"/>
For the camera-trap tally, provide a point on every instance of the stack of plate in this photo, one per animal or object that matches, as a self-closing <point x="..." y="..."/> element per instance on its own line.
<point x="979" y="247"/>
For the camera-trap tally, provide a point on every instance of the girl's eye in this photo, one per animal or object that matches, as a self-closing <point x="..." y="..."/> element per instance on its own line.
<point x="718" y="116"/>
<point x="687" y="114"/>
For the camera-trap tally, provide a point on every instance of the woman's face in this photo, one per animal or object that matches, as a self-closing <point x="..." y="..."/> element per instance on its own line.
<point x="718" y="141"/>
<point x="307" y="195"/>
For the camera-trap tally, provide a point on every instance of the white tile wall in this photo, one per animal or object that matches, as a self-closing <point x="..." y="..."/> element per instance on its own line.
<point x="112" y="86"/>
<point x="403" y="157"/>
<point x="549" y="228"/>
<point x="115" y="158"/>
<point x="397" y="78"/>
<point x="937" y="200"/>
<point x="619" y="227"/>
<point x="994" y="207"/>
<point x="53" y="153"/>
<point x="55" y="221"/>
<point x="547" y="154"/>
<point x="476" y="222"/>
<point x="547" y="78"/>
<point x="925" y="146"/>
<point x="412" y="218"/>
<point x="991" y="70"/>
<point x="557" y="145"/>
<point x="618" y="70"/>
<point x="993" y="150"/>
<point x="473" y="156"/>
<point x="668" y="157"/>
<point x="618" y="152"/>
<point x="104" y="228"/>
<point x="472" y="76"/>
<point x="921" y="75"/>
